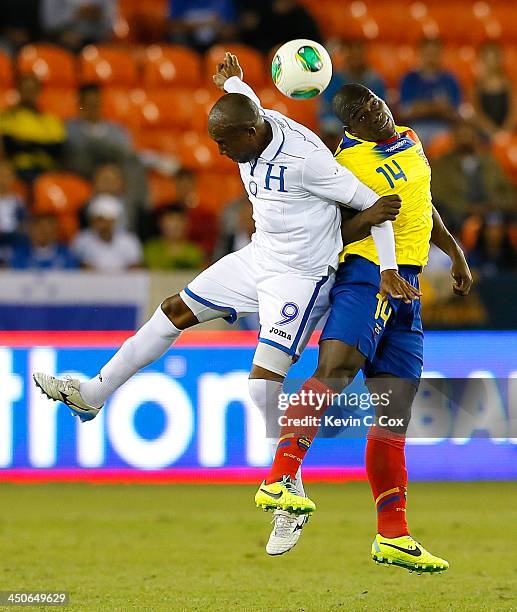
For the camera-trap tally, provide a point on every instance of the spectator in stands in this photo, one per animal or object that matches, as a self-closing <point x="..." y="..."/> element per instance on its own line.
<point x="105" y="245"/>
<point x="12" y="211"/>
<point x="41" y="249"/>
<point x="32" y="139"/>
<point x="76" y="23"/>
<point x="493" y="251"/>
<point x="201" y="23"/>
<point x="92" y="142"/>
<point x="109" y="180"/>
<point x="172" y="250"/>
<point x="237" y="227"/>
<point x="468" y="179"/>
<point x="494" y="99"/>
<point x="357" y="70"/>
<point x="19" y="24"/>
<point x="429" y="96"/>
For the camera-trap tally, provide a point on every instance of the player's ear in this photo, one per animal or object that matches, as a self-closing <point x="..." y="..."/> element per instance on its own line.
<point x="252" y="132"/>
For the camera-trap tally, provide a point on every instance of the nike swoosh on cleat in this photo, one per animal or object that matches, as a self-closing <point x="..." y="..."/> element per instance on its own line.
<point x="273" y="495"/>
<point x="413" y="552"/>
<point x="67" y="402"/>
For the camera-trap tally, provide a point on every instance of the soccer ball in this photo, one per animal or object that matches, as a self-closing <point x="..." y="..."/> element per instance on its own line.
<point x="301" y="68"/>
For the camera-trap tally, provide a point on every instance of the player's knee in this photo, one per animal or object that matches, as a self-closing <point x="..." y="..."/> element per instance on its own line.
<point x="336" y="377"/>
<point x="178" y="312"/>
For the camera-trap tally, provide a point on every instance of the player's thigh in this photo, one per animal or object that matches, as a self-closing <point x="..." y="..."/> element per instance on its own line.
<point x="227" y="289"/>
<point x="338" y="363"/>
<point x="356" y="321"/>
<point x="401" y="350"/>
<point x="289" y="308"/>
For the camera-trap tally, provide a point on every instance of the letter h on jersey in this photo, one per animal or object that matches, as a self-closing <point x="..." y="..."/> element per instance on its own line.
<point x="280" y="177"/>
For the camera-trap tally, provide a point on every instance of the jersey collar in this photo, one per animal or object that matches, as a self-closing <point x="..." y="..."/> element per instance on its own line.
<point x="276" y="144"/>
<point x="348" y="138"/>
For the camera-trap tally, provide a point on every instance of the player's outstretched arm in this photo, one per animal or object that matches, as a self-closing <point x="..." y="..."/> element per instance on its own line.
<point x="224" y="78"/>
<point x="460" y="271"/>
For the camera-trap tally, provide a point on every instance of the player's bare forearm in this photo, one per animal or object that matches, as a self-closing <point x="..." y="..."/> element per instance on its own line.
<point x="444" y="240"/>
<point x="357" y="225"/>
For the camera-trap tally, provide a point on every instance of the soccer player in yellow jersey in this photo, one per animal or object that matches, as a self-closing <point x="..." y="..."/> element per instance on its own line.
<point x="383" y="337"/>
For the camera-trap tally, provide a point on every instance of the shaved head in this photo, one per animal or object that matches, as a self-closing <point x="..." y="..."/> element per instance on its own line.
<point x="238" y="128"/>
<point x="348" y="99"/>
<point x="235" y="111"/>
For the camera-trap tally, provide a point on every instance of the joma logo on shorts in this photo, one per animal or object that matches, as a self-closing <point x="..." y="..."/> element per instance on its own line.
<point x="280" y="332"/>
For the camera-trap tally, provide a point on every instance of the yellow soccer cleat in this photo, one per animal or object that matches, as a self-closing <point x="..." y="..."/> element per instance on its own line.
<point x="407" y="553"/>
<point x="283" y="495"/>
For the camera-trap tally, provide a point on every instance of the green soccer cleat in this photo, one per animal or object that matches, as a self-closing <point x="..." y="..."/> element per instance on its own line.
<point x="407" y="553"/>
<point x="283" y="495"/>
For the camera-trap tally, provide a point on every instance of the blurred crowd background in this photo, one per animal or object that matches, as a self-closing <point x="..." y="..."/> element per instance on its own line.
<point x="105" y="163"/>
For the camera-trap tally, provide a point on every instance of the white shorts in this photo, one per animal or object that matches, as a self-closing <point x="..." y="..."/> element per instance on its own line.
<point x="289" y="304"/>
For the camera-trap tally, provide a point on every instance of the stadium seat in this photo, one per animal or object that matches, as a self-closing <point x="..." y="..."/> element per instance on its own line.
<point x="336" y="19"/>
<point x="60" y="193"/>
<point x="197" y="151"/>
<point x="6" y="71"/>
<point x="143" y="21"/>
<point x="162" y="189"/>
<point x="123" y="106"/>
<point x="215" y="190"/>
<point x="303" y="111"/>
<point x="171" y="65"/>
<point x="461" y="61"/>
<point x="251" y="61"/>
<point x="8" y="97"/>
<point x="52" y="65"/>
<point x="106" y="65"/>
<point x="392" y="61"/>
<point x="179" y="108"/>
<point x="510" y="61"/>
<point x="60" y="102"/>
<point x="158" y="139"/>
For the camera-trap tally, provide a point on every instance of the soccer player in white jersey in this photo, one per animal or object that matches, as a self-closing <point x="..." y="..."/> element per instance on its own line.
<point x="285" y="274"/>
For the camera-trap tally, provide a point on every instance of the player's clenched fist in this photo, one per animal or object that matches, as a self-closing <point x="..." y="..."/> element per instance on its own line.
<point x="392" y="284"/>
<point x="385" y="209"/>
<point x="229" y="67"/>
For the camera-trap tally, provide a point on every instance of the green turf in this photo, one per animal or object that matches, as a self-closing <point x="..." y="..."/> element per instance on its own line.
<point x="202" y="548"/>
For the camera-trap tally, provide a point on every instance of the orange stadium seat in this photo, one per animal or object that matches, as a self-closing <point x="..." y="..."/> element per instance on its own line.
<point x="338" y="19"/>
<point x="303" y="111"/>
<point x="107" y="65"/>
<point x="510" y="61"/>
<point x="52" y="65"/>
<point x="162" y="189"/>
<point x="6" y="71"/>
<point x="60" y="193"/>
<point x="215" y="190"/>
<point x="462" y="62"/>
<point x="171" y="65"/>
<point x="123" y="105"/>
<point x="8" y="97"/>
<point x="197" y="151"/>
<point x="141" y="20"/>
<point x="60" y="102"/>
<point x="439" y="145"/>
<point x="391" y="61"/>
<point x="251" y="61"/>
<point x="179" y="108"/>
<point x="159" y="139"/>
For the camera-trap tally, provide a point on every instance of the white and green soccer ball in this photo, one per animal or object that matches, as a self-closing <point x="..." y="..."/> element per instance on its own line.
<point x="301" y="68"/>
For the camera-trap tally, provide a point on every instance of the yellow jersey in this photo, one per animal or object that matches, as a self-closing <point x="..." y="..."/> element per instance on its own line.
<point x="395" y="166"/>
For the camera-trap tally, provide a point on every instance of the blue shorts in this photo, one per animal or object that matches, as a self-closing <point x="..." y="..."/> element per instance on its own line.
<point x="389" y="334"/>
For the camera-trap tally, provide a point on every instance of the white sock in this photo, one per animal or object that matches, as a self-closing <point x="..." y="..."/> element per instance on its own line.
<point x="264" y="394"/>
<point x="147" y="345"/>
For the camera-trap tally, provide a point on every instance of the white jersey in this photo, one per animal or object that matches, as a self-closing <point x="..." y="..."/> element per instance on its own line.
<point x="295" y="187"/>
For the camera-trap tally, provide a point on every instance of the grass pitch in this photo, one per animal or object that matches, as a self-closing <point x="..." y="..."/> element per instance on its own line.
<point x="202" y="548"/>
